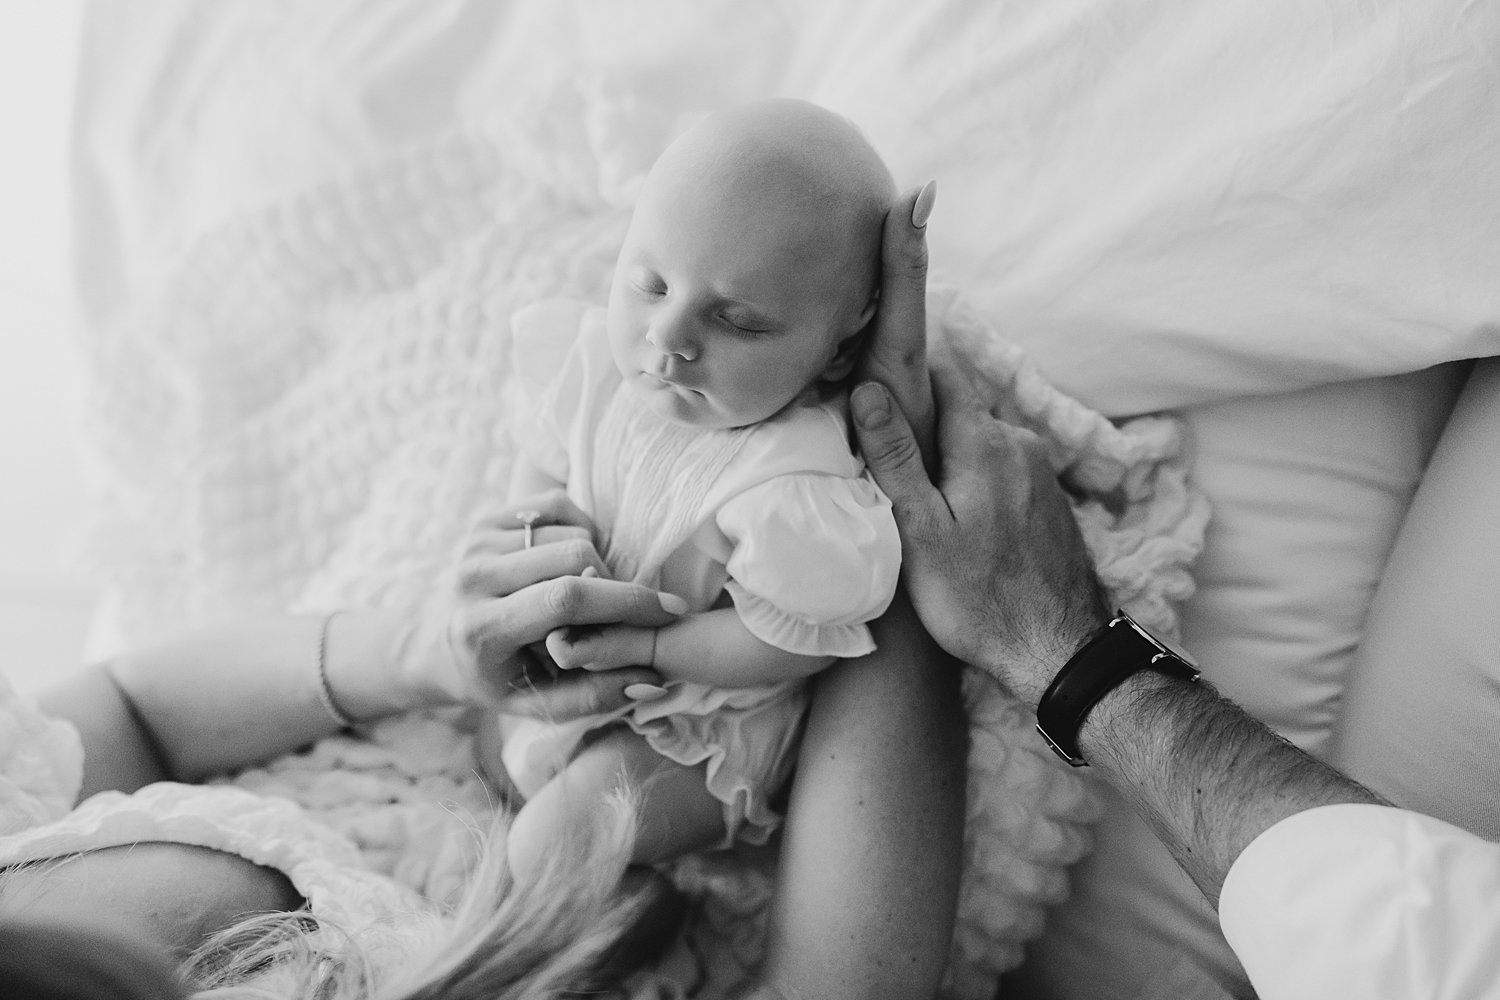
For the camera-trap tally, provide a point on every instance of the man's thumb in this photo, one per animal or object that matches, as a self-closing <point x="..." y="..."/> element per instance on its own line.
<point x="888" y="446"/>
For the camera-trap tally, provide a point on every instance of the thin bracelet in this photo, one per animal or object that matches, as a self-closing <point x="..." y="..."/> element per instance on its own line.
<point x="325" y="690"/>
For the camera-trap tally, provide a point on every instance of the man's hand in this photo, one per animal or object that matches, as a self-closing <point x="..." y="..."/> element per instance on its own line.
<point x="991" y="555"/>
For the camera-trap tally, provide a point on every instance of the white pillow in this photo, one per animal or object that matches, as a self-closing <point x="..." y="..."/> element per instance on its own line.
<point x="1308" y="491"/>
<point x="1166" y="202"/>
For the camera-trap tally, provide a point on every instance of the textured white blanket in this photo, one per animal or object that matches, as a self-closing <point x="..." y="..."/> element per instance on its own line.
<point x="309" y="416"/>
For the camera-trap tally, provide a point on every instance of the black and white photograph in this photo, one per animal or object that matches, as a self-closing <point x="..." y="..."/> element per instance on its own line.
<point x="750" y="500"/>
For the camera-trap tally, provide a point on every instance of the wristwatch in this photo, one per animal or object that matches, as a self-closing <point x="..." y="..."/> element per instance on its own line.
<point x="1112" y="654"/>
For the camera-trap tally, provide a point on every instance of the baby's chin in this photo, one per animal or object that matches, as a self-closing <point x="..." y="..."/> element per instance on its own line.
<point x="685" y="407"/>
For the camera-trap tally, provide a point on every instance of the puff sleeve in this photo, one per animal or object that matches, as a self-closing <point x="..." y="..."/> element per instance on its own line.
<point x="813" y="558"/>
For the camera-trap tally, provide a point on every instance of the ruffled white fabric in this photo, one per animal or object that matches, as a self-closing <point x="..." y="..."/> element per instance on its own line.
<point x="770" y="623"/>
<point x="781" y="513"/>
<point x="808" y="541"/>
<point x="305" y="406"/>
<point x="811" y="561"/>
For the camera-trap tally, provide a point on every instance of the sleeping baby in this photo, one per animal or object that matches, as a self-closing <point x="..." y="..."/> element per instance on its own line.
<point x="700" y="419"/>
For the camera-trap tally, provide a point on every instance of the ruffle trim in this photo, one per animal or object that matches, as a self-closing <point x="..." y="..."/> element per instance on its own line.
<point x="742" y="784"/>
<point x="772" y="625"/>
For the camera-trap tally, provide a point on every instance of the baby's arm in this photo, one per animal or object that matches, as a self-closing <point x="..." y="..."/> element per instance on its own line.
<point x="716" y="648"/>
<point x="713" y="648"/>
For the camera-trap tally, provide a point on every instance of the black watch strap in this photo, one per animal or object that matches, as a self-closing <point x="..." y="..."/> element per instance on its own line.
<point x="1115" y="652"/>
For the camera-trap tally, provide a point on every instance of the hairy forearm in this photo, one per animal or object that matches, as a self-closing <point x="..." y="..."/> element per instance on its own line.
<point x="1208" y="777"/>
<point x="716" y="648"/>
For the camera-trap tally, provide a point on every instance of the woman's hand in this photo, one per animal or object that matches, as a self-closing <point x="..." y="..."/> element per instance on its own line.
<point x="484" y="642"/>
<point x="896" y="353"/>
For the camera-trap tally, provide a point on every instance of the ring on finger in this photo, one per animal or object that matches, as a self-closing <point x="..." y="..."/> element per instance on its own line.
<point x="528" y="519"/>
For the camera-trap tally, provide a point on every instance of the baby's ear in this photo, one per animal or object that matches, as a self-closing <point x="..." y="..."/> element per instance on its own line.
<point x="842" y="365"/>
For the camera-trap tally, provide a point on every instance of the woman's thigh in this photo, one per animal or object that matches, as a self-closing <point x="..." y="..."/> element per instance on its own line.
<point x="1421" y="716"/>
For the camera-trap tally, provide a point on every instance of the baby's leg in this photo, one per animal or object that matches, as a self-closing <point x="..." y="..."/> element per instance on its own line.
<point x="676" y="814"/>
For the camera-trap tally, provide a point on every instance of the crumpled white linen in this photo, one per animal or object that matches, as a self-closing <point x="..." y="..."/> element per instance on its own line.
<point x="1163" y="203"/>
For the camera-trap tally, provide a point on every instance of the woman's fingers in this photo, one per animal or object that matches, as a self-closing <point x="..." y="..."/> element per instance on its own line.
<point x="526" y="616"/>
<point x="552" y="508"/>
<point x="500" y="541"/>
<point x="578" y="693"/>
<point x="576" y="600"/>
<point x="497" y="573"/>
<point x="896" y="354"/>
<point x="899" y="344"/>
<point x="497" y="559"/>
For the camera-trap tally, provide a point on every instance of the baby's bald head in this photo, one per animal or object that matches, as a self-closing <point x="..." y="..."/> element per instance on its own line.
<point x="809" y="149"/>
<point x="749" y="270"/>
<point x="796" y="166"/>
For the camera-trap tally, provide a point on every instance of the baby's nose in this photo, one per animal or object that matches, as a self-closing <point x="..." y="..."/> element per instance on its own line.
<point x="673" y="334"/>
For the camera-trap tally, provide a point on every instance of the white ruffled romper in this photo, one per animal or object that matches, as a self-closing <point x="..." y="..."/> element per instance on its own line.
<point x="781" y="515"/>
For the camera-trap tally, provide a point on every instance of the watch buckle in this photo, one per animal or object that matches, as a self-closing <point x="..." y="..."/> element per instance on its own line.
<point x="1057" y="749"/>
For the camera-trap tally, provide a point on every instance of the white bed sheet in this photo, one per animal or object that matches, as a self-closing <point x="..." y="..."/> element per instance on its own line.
<point x="1163" y="203"/>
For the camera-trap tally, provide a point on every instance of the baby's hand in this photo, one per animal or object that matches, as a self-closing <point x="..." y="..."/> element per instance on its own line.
<point x="602" y="647"/>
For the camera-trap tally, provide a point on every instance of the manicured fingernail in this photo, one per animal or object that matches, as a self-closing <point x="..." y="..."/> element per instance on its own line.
<point x="644" y="692"/>
<point x="672" y="604"/>
<point x="871" y="404"/>
<point x="922" y="207"/>
<point x="589" y="573"/>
